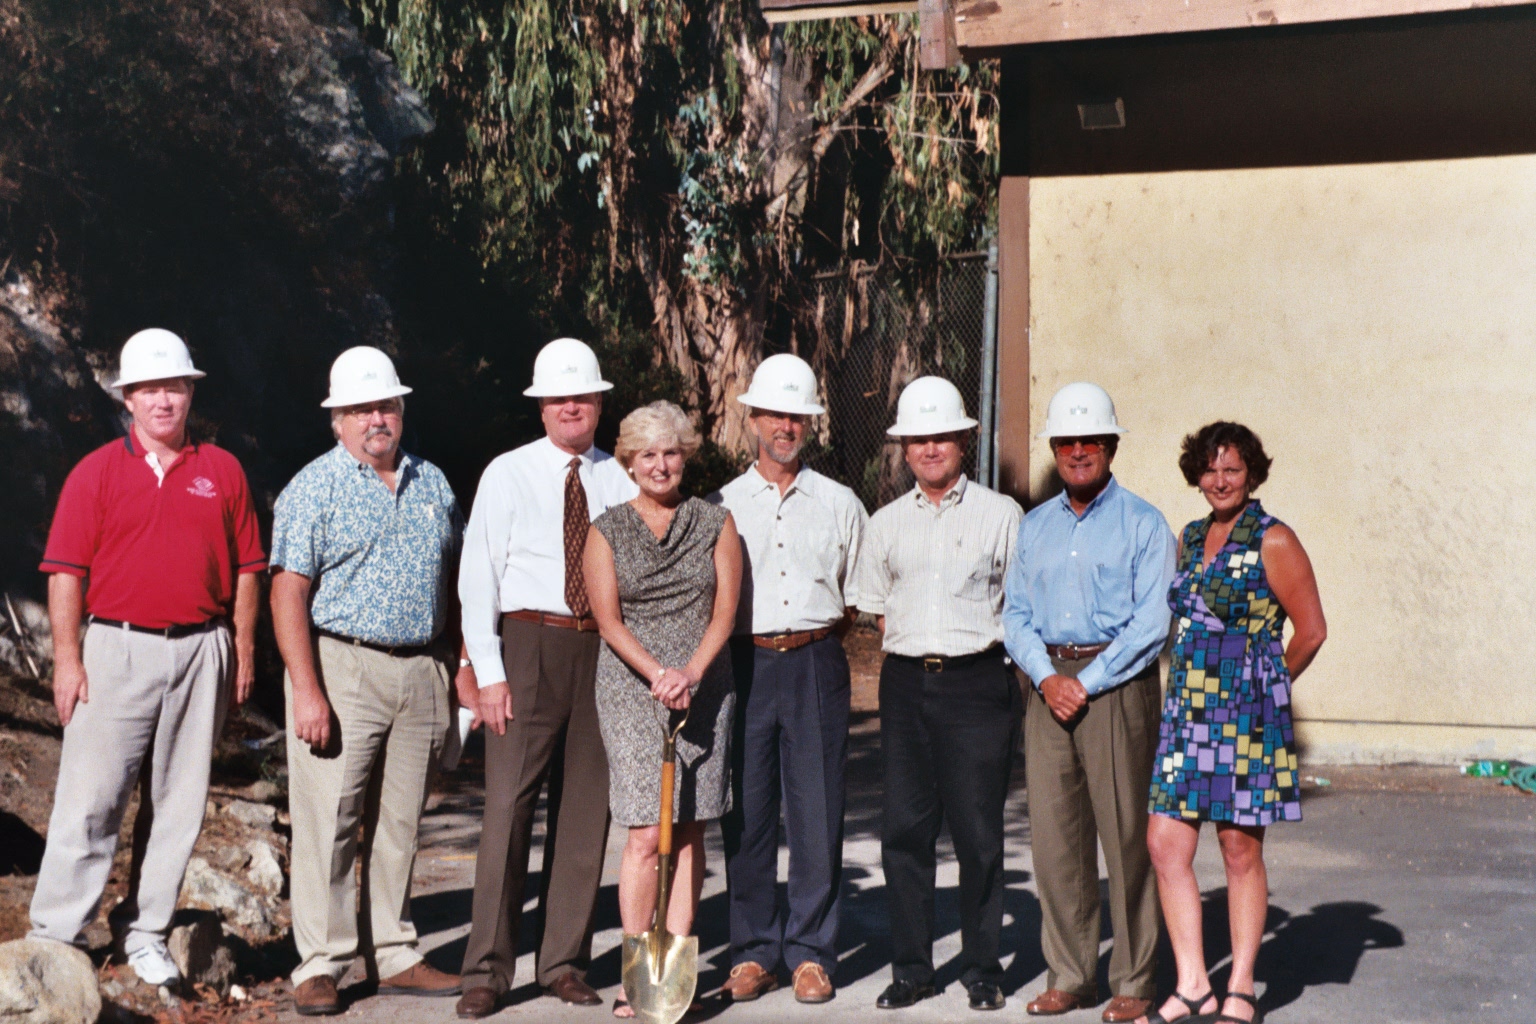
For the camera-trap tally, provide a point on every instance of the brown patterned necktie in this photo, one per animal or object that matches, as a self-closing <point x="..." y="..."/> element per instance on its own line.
<point x="576" y="523"/>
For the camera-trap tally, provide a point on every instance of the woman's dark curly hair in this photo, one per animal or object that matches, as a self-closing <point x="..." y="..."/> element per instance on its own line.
<point x="1200" y="450"/>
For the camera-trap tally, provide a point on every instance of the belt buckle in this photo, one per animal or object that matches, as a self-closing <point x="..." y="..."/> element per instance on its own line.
<point x="933" y="663"/>
<point x="781" y="642"/>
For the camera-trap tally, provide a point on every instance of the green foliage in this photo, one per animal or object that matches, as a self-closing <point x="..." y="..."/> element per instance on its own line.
<point x="933" y="133"/>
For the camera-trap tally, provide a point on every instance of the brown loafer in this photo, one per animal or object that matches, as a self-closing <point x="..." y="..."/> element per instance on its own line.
<point x="812" y="984"/>
<point x="477" y="1002"/>
<point x="573" y="991"/>
<point x="1054" y="1001"/>
<point x="1122" y="1009"/>
<point x="749" y="980"/>
<point x="422" y="979"/>
<point x="316" y="997"/>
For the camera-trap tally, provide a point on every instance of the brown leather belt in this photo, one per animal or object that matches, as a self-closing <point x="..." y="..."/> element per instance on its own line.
<point x="1075" y="652"/>
<point x="789" y="641"/>
<point x="582" y="625"/>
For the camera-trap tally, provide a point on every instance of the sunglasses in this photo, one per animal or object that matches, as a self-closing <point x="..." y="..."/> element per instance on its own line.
<point x="1087" y="444"/>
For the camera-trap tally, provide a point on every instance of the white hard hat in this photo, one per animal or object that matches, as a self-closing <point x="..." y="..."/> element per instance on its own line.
<point x="930" y="405"/>
<point x="1081" y="410"/>
<point x="361" y="375"/>
<point x="566" y="367"/>
<point x="155" y="354"/>
<point x="783" y="383"/>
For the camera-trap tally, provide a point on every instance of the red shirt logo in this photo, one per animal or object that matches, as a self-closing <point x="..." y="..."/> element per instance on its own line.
<point x="202" y="487"/>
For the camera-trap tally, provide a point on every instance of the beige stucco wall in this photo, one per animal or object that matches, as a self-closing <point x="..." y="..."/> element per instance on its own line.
<point x="1377" y="326"/>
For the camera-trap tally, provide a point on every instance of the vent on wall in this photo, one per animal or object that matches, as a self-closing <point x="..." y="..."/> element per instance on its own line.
<point x="1102" y="114"/>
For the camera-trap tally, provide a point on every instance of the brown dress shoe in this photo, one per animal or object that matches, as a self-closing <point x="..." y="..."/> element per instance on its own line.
<point x="1122" y="1009"/>
<point x="572" y="991"/>
<point x="478" y="1002"/>
<point x="812" y="984"/>
<point x="1054" y="1001"/>
<point x="421" y="979"/>
<point x="748" y="980"/>
<point x="316" y="997"/>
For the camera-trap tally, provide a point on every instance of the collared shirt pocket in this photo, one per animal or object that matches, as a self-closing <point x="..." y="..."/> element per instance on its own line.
<point x="818" y="555"/>
<point x="975" y="572"/>
<point x="1112" y="597"/>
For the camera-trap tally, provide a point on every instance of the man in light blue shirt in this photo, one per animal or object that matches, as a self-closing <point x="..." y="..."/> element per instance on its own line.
<point x="1085" y="614"/>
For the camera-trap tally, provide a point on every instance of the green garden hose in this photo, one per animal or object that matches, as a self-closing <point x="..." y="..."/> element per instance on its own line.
<point x="1523" y="776"/>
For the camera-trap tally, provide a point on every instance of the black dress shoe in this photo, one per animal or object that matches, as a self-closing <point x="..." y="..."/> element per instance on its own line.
<point x="899" y="995"/>
<point x="986" y="995"/>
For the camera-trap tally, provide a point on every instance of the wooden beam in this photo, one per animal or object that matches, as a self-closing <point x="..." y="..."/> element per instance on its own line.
<point x="822" y="12"/>
<point x="936" y="35"/>
<point x="1013" y="337"/>
<point x="988" y="24"/>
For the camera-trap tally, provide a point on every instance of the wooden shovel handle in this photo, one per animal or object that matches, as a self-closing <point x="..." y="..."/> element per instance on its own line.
<point x="664" y="843"/>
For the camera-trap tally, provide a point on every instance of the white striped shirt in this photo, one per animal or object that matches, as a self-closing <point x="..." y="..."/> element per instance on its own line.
<point x="936" y="571"/>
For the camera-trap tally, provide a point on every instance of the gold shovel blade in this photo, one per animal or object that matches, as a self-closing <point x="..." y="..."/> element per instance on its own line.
<point x="661" y="973"/>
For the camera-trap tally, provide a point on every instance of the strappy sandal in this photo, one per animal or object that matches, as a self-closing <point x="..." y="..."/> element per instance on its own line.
<point x="1251" y="1000"/>
<point x="1194" y="1016"/>
<point x="623" y="1004"/>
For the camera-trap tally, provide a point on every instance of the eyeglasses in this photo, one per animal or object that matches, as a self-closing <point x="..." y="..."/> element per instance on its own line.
<point x="1088" y="444"/>
<point x="363" y="412"/>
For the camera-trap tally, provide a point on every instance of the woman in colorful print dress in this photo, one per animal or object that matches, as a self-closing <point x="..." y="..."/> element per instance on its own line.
<point x="1225" y="752"/>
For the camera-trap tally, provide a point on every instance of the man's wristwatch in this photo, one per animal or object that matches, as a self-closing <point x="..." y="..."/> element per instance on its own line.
<point x="465" y="663"/>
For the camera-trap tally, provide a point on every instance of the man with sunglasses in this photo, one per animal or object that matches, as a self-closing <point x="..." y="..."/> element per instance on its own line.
<point x="1085" y="615"/>
<point x="364" y="540"/>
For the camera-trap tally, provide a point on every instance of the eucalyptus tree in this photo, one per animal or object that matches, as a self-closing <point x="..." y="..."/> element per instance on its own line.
<point x="677" y="165"/>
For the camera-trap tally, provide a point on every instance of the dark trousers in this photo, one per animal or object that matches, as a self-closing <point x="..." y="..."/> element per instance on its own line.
<point x="552" y="737"/>
<point x="790" y="745"/>
<point x="948" y="740"/>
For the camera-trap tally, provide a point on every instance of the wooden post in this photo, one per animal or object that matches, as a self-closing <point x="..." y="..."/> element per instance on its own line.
<point x="1013" y="337"/>
<point x="936" y="45"/>
<point x="1013" y="381"/>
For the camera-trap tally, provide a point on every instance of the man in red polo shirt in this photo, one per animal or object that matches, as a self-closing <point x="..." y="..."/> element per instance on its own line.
<point x="155" y="544"/>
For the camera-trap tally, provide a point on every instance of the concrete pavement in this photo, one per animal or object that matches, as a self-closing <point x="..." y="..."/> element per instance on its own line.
<point x="1405" y="896"/>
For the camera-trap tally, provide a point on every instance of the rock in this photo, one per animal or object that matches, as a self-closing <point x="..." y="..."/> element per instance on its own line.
<point x="232" y="859"/>
<point x="197" y="946"/>
<point x="265" y="871"/>
<point x="256" y="917"/>
<point x="264" y="792"/>
<point x="46" y="982"/>
<point x="252" y="815"/>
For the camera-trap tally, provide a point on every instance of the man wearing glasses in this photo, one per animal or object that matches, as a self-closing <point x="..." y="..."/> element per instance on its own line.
<point x="364" y="540"/>
<point x="1085" y="614"/>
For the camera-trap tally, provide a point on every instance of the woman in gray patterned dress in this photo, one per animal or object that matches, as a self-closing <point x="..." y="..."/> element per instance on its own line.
<point x="663" y="574"/>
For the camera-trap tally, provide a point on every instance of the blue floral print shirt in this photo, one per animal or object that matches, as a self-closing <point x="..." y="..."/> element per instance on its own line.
<point x="380" y="562"/>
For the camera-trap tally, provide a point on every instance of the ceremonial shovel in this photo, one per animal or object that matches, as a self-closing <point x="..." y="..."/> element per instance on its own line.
<point x="661" y="970"/>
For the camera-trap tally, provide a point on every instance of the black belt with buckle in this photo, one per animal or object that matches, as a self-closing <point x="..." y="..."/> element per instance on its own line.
<point x="393" y="650"/>
<point x="943" y="663"/>
<point x="169" y="632"/>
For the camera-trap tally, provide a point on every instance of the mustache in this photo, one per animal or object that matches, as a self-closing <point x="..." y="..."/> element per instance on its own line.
<point x="379" y="431"/>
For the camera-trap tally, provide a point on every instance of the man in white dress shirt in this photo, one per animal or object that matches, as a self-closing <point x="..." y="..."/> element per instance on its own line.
<point x="801" y="534"/>
<point x="933" y="570"/>
<point x="530" y="635"/>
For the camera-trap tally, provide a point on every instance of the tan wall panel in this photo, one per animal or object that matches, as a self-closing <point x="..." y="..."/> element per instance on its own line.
<point x="1377" y="326"/>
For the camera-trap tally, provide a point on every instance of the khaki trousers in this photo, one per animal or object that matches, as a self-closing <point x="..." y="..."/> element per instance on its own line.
<point x="1089" y="781"/>
<point x="552" y="737"/>
<point x="394" y="717"/>
<point x="156" y="706"/>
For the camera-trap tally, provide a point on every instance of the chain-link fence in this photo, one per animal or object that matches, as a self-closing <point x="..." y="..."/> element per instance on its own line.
<point x="874" y="334"/>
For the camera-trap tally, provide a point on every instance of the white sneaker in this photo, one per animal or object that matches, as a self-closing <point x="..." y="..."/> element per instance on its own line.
<point x="153" y="964"/>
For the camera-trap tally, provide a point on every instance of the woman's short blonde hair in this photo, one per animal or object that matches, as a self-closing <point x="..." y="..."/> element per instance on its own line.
<point x="659" y="424"/>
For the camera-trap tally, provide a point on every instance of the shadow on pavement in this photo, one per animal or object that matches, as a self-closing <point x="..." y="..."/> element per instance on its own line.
<point x="1320" y="947"/>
